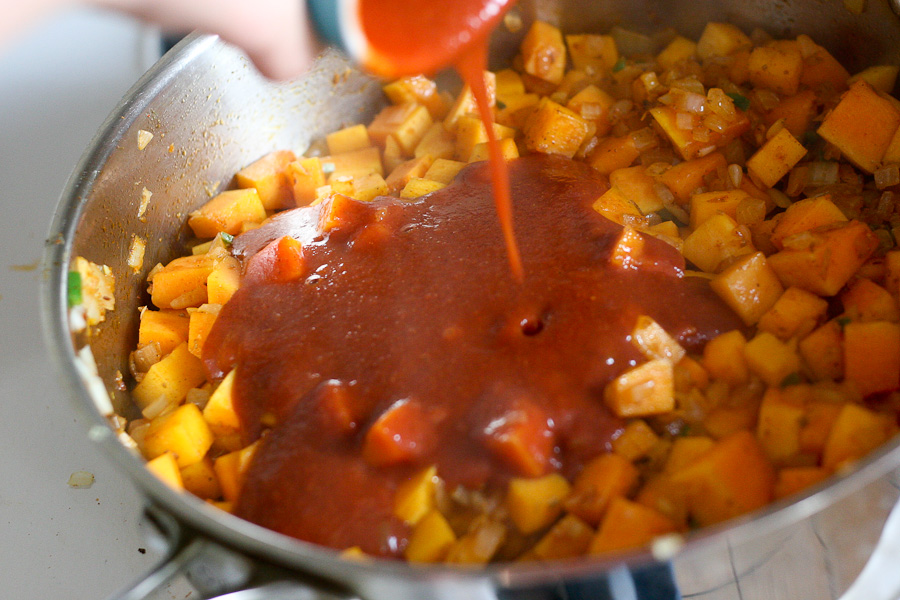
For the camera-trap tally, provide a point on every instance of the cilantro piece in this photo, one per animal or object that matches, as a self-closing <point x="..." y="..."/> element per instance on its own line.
<point x="620" y="64"/>
<point x="792" y="379"/>
<point x="73" y="288"/>
<point x="501" y="105"/>
<point x="741" y="101"/>
<point x="810" y="138"/>
<point x="843" y="321"/>
<point x="227" y="238"/>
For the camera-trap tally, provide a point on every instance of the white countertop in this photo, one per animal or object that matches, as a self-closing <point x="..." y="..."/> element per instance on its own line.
<point x="57" y="85"/>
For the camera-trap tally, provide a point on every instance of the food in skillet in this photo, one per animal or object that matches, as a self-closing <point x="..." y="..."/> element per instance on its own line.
<point x="709" y="318"/>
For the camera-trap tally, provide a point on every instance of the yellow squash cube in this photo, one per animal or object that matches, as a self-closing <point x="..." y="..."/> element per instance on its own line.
<point x="771" y="359"/>
<point x="227" y="212"/>
<point x="415" y="497"/>
<point x="269" y="177"/>
<point x="165" y="467"/>
<point x="535" y="503"/>
<point x="543" y="52"/>
<point x="348" y="139"/>
<point x="182" y="432"/>
<point x="647" y="389"/>
<point x="777" y="156"/>
<point x="219" y="410"/>
<point x="431" y="539"/>
<point x="749" y="286"/>
<point x="715" y="242"/>
<point x="554" y="129"/>
<point x="170" y="378"/>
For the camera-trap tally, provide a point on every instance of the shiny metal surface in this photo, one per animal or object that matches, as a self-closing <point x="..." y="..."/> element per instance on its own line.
<point x="210" y="114"/>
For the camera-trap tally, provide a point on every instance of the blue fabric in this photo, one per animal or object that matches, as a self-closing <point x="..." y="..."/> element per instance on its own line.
<point x="326" y="20"/>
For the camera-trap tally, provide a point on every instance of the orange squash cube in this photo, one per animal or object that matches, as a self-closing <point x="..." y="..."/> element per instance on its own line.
<point x="865" y="300"/>
<point x="731" y="479"/>
<point x="591" y="51"/>
<point x="795" y="313"/>
<point x="200" y="479"/>
<point x="805" y="215"/>
<point x="771" y="359"/>
<point x="749" y="287"/>
<point x="182" y="432"/>
<point x="535" y="503"/>
<point x="627" y="525"/>
<point x="227" y="212"/>
<point x="824" y="259"/>
<point x="781" y="418"/>
<point x="269" y="176"/>
<point x="635" y="184"/>
<point x="437" y="143"/>
<point x="797" y="111"/>
<point x="862" y="125"/>
<point x="231" y="469"/>
<point x="306" y="177"/>
<point x="685" y="177"/>
<point x="716" y="242"/>
<point x="647" y="389"/>
<point x="168" y="328"/>
<point x="856" y="432"/>
<point x="569" y="537"/>
<point x="419" y="89"/>
<point x="614" y="153"/>
<point x="776" y="67"/>
<point x="406" y="123"/>
<point x="165" y="467"/>
<point x="723" y="357"/>
<point x="554" y="129"/>
<point x="606" y="477"/>
<point x="776" y="157"/>
<point x="708" y="204"/>
<point x="872" y="356"/>
<point x="823" y="351"/>
<point x="170" y="378"/>
<point x="431" y="539"/>
<point x="721" y="39"/>
<point x="678" y="50"/>
<point x="793" y="480"/>
<point x="636" y="440"/>
<point x="616" y="207"/>
<point x="543" y="52"/>
<point x="201" y="322"/>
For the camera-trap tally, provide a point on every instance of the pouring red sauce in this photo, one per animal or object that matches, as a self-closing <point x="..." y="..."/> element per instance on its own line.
<point x="405" y="343"/>
<point x="409" y="38"/>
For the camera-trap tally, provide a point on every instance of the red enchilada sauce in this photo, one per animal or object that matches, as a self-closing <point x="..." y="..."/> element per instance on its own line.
<point x="409" y="38"/>
<point x="405" y="343"/>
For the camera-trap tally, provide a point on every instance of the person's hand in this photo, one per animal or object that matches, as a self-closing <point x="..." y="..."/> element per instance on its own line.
<point x="275" y="34"/>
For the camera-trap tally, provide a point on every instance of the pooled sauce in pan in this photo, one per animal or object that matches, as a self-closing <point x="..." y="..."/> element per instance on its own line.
<point x="407" y="318"/>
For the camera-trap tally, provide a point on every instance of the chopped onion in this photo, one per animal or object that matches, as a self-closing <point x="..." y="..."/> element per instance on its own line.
<point x="155" y="408"/>
<point x="81" y="479"/>
<point x="776" y="127"/>
<point x="721" y="104"/>
<point x="768" y="100"/>
<point x="619" y="109"/>
<point x="715" y="122"/>
<point x="691" y="102"/>
<point x="650" y="81"/>
<point x="797" y="180"/>
<point x="885" y="206"/>
<point x="735" y="175"/>
<point x="684" y="121"/>
<point x="887" y="176"/>
<point x="690" y="84"/>
<point x="822" y="173"/>
<point x="644" y="139"/>
<point x="146" y="356"/>
<point x="700" y="134"/>
<point x="779" y="198"/>
<point x="198" y="396"/>
<point x="750" y="210"/>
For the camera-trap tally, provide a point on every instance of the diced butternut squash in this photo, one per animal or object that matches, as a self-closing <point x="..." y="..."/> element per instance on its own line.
<point x="183" y="282"/>
<point x="805" y="215"/>
<point x="201" y="322"/>
<point x="872" y="356"/>
<point x="797" y="111"/>
<point x="219" y="410"/>
<point x="749" y="286"/>
<point x="569" y="537"/>
<point x="431" y="539"/>
<point x="777" y="68"/>
<point x="823" y="260"/>
<point x="437" y="143"/>
<point x="231" y="469"/>
<point x="731" y="479"/>
<point x="223" y="281"/>
<point x="201" y="480"/>
<point x="635" y="441"/>
<point x="795" y="314"/>
<point x="168" y="328"/>
<point x="654" y="342"/>
<point x="627" y="525"/>
<point x="470" y="132"/>
<point x="821" y="71"/>
<point x="685" y="177"/>
<point x="723" y="357"/>
<point x="862" y="125"/>
<point x="364" y="188"/>
<point x="357" y="163"/>
<point x="865" y="300"/>
<point x="306" y="177"/>
<point x="606" y="477"/>
<point x="554" y="129"/>
<point x="792" y="480"/>
<point x="227" y="212"/>
<point x="592" y="104"/>
<point x="270" y="177"/>
<point x="543" y="52"/>
<point x="721" y="39"/>
<point x="182" y="432"/>
<point x="856" y="432"/>
<point x="644" y="390"/>
<point x="590" y="51"/>
<point x="399" y="177"/>
<point x="348" y="139"/>
<point x="170" y="378"/>
<point x="823" y="351"/>
<point x="614" y="153"/>
<point x="635" y="184"/>
<point x="479" y="545"/>
<point x="508" y="150"/>
<point x="420" y="89"/>
<point x="399" y="435"/>
<point x="509" y="85"/>
<point x="465" y="103"/>
<point x="771" y="359"/>
<point x="777" y="156"/>
<point x="279" y="261"/>
<point x="443" y="170"/>
<point x="535" y="503"/>
<point x="781" y="418"/>
<point x="817" y="424"/>
<point x="406" y="123"/>
<point x="417" y="187"/>
<point x="165" y="467"/>
<point x="682" y="138"/>
<point x="414" y="497"/>
<point x="708" y="204"/>
<point x="616" y="207"/>
<point x="678" y="50"/>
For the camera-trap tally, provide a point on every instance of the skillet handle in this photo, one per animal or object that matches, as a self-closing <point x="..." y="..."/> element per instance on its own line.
<point x="651" y="582"/>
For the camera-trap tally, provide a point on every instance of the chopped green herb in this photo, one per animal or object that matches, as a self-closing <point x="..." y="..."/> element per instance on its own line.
<point x="620" y="64"/>
<point x="792" y="379"/>
<point x="742" y="102"/>
<point x="843" y="321"/>
<point x="73" y="288"/>
<point x="810" y="138"/>
<point x="226" y="237"/>
<point x="501" y="105"/>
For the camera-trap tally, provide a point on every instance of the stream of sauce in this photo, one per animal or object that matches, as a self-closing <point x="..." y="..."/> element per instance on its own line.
<point x="412" y="303"/>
